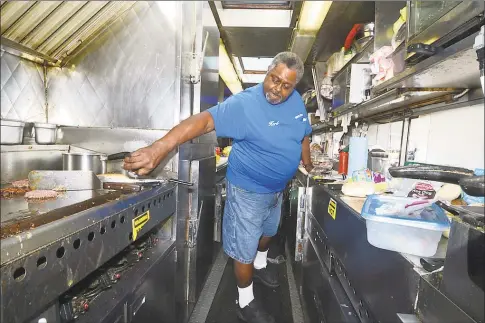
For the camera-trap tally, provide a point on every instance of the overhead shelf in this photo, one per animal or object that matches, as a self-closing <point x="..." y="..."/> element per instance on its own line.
<point x="398" y="98"/>
<point x="392" y="101"/>
<point x="454" y="67"/>
<point x="436" y="80"/>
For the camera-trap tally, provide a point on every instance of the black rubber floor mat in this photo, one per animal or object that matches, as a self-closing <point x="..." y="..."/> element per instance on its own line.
<point x="275" y="301"/>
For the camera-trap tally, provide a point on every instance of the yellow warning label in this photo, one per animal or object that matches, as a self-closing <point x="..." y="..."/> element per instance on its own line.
<point x="332" y="208"/>
<point x="139" y="222"/>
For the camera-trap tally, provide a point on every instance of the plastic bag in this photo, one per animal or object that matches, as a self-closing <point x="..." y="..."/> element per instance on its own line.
<point x="382" y="66"/>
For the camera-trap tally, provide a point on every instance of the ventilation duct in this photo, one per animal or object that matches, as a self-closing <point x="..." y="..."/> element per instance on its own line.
<point x="55" y="31"/>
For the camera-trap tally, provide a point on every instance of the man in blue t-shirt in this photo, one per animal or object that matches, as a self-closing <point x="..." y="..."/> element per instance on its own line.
<point x="270" y="130"/>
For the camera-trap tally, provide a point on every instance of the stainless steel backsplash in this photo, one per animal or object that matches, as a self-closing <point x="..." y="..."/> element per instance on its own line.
<point x="22" y="89"/>
<point x="110" y="141"/>
<point x="128" y="77"/>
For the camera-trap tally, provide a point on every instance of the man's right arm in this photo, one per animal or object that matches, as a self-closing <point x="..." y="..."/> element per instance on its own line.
<point x="190" y="128"/>
<point x="144" y="160"/>
<point x="227" y="118"/>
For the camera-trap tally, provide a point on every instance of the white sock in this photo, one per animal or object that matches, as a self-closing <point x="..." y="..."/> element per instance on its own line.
<point x="261" y="260"/>
<point x="245" y="295"/>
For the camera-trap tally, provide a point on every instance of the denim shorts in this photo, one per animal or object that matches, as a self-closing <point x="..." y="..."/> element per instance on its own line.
<point x="248" y="216"/>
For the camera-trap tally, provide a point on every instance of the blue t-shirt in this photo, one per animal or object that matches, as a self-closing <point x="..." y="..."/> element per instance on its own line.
<point x="267" y="138"/>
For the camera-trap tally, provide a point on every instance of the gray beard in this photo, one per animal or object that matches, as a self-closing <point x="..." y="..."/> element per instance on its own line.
<point x="272" y="102"/>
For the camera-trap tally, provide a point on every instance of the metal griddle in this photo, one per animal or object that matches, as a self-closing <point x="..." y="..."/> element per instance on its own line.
<point x="63" y="180"/>
<point x="19" y="214"/>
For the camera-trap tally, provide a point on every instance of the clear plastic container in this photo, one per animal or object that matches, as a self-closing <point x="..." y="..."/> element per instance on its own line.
<point x="412" y="230"/>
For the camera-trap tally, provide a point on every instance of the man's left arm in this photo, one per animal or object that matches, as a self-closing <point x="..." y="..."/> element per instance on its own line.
<point x="305" y="154"/>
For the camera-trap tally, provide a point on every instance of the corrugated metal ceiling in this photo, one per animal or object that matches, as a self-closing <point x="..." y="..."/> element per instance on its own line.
<point x="56" y="30"/>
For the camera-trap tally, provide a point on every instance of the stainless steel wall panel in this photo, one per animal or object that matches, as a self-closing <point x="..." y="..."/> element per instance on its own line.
<point x="128" y="77"/>
<point x="17" y="161"/>
<point x="209" y="88"/>
<point x="110" y="141"/>
<point x="22" y="89"/>
<point x="196" y="205"/>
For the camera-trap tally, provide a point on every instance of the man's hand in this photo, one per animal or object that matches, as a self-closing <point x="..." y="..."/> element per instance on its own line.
<point x="146" y="159"/>
<point x="309" y="168"/>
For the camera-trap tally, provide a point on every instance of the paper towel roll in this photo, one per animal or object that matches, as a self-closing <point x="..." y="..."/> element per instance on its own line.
<point x="358" y="154"/>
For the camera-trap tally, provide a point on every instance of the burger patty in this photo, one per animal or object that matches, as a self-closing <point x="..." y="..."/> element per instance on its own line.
<point x="12" y="191"/>
<point x="41" y="194"/>
<point x="23" y="183"/>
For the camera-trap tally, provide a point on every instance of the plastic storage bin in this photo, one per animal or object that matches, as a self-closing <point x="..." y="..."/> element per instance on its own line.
<point x="390" y="227"/>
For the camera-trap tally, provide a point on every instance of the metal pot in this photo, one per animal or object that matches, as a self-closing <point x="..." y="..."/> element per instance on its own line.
<point x="12" y="132"/>
<point x="45" y="133"/>
<point x="367" y="30"/>
<point x="84" y="161"/>
<point x="96" y="163"/>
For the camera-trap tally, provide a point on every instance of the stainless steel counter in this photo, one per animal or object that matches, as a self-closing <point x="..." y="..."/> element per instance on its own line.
<point x="381" y="285"/>
<point x="356" y="204"/>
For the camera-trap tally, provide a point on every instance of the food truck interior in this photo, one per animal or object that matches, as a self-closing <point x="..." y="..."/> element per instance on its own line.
<point x="387" y="227"/>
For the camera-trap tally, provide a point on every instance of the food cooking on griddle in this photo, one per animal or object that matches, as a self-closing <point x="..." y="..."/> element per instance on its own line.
<point x="18" y="188"/>
<point x="41" y="195"/>
<point x="23" y="183"/>
<point x="9" y="192"/>
<point x="21" y="188"/>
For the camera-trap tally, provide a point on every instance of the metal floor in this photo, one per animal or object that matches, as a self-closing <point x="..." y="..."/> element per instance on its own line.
<point x="275" y="301"/>
<point x="217" y="302"/>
